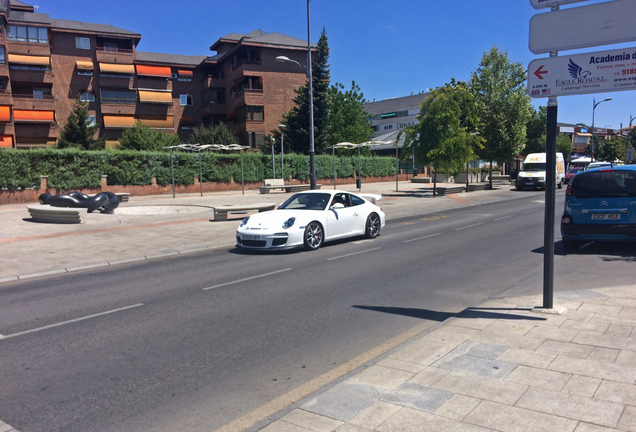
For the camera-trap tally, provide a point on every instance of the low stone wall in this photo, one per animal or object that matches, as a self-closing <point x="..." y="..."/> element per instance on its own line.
<point x="25" y="196"/>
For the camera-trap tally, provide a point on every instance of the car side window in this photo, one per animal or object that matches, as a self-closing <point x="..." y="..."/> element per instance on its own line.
<point x="356" y="200"/>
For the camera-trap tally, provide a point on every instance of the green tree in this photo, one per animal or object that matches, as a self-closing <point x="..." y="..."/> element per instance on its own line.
<point x="217" y="134"/>
<point x="536" y="131"/>
<point x="500" y="86"/>
<point x="445" y="135"/>
<point x="142" y="137"/>
<point x="297" y="119"/>
<point x="78" y="132"/>
<point x="564" y="145"/>
<point x="610" y="149"/>
<point x="348" y="121"/>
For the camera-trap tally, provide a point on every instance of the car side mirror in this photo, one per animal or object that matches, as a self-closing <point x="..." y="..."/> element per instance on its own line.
<point x="337" y="206"/>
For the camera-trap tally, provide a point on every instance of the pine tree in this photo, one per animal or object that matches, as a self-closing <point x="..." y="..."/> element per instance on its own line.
<point x="78" y="132"/>
<point x="297" y="119"/>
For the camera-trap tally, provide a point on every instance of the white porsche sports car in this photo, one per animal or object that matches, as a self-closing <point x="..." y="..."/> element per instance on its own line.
<point x="307" y="219"/>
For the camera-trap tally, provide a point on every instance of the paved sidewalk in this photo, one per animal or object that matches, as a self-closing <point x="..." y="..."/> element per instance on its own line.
<point x="501" y="366"/>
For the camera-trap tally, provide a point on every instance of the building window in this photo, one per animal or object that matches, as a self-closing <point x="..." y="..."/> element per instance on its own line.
<point x="255" y="112"/>
<point x="3" y="55"/>
<point x="31" y="68"/>
<point x="111" y="47"/>
<point x="85" y="72"/>
<point x="91" y="120"/>
<point x="118" y="96"/>
<point x="186" y="99"/>
<point x="387" y="127"/>
<point x="82" y="43"/>
<point x="87" y="97"/>
<point x="213" y="96"/>
<point x="28" y="34"/>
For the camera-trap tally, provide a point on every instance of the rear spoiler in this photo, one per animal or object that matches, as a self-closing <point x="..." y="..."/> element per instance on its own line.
<point x="372" y="198"/>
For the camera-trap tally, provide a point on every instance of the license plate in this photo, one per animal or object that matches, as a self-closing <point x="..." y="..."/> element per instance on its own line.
<point x="605" y="216"/>
<point x="251" y="237"/>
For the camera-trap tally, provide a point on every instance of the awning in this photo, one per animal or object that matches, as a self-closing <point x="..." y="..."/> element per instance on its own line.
<point x="583" y="134"/>
<point x="185" y="73"/>
<point x="127" y="69"/>
<point x="155" y="71"/>
<point x="84" y="65"/>
<point x="30" y="116"/>
<point x="160" y="97"/>
<point x="157" y="122"/>
<point x="6" y="141"/>
<point x="5" y="113"/>
<point x="30" y="60"/>
<point x="119" y="122"/>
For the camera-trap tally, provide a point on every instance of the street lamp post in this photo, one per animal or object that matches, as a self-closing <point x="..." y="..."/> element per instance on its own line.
<point x="308" y="73"/>
<point x="282" y="151"/>
<point x="273" y="163"/>
<point x="595" y="104"/>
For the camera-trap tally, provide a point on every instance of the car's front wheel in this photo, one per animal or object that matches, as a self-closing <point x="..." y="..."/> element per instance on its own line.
<point x="372" y="228"/>
<point x="314" y="236"/>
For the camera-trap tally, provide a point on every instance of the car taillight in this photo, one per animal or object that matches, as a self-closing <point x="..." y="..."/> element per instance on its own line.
<point x="569" y="191"/>
<point x="566" y="219"/>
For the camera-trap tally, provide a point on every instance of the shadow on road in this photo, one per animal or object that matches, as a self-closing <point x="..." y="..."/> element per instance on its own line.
<point x="473" y="313"/>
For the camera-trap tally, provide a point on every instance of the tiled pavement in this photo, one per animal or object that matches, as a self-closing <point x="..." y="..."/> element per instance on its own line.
<point x="502" y="366"/>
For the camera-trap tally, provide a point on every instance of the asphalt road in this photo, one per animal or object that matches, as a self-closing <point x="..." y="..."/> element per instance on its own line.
<point x="195" y="342"/>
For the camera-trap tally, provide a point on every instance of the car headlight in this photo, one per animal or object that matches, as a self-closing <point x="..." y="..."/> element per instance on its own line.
<point x="542" y="178"/>
<point x="289" y="223"/>
<point x="244" y="221"/>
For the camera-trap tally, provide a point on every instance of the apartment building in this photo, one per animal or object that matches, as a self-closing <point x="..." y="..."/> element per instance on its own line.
<point x="47" y="64"/>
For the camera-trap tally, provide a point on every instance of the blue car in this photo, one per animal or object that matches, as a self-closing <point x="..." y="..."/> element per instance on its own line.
<point x="600" y="205"/>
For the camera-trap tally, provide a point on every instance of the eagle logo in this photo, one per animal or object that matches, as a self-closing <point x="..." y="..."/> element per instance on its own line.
<point x="576" y="71"/>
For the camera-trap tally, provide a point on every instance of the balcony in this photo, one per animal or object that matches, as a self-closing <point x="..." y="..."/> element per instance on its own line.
<point x="31" y="102"/>
<point x="114" y="55"/>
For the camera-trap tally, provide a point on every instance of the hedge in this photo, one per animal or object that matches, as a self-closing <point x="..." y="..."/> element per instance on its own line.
<point x="74" y="169"/>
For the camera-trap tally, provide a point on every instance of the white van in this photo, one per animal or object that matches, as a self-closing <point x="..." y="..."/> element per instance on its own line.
<point x="532" y="172"/>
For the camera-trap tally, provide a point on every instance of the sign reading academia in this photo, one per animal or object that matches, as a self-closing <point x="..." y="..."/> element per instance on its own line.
<point x="596" y="72"/>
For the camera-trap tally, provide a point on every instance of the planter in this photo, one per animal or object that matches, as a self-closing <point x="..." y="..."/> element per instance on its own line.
<point x="444" y="178"/>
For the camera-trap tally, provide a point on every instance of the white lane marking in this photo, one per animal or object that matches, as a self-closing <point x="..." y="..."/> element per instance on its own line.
<point x="246" y="279"/>
<point x="505" y="217"/>
<point x="421" y="238"/>
<point x="468" y="226"/>
<point x="478" y="214"/>
<point x="532" y="211"/>
<point x="351" y="254"/>
<point x="72" y="321"/>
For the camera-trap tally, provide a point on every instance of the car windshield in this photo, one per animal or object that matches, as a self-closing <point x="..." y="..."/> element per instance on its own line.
<point x="604" y="184"/>
<point x="306" y="201"/>
<point x="533" y="166"/>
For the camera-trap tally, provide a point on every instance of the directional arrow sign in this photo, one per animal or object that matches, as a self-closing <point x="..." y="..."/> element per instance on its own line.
<point x="586" y="26"/>
<point x="540" y="4"/>
<point x="597" y="72"/>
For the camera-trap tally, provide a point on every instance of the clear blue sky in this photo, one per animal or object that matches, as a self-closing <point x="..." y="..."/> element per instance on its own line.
<point x="390" y="48"/>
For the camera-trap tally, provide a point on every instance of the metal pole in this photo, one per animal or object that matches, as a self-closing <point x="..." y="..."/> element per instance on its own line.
<point x="550" y="184"/>
<point x="242" y="175"/>
<point x="593" y="141"/>
<point x="312" y="160"/>
<point x="397" y="166"/>
<point x="359" y="173"/>
<point x="200" y="174"/>
<point x="172" y="169"/>
<point x="282" y="158"/>
<point x="273" y="165"/>
<point x="333" y="151"/>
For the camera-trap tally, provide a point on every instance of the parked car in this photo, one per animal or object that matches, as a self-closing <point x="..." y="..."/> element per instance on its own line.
<point x="600" y="205"/>
<point x="571" y="173"/>
<point x="308" y="219"/>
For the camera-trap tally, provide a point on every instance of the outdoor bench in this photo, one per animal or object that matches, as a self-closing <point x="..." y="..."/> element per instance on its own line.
<point x="272" y="184"/>
<point x="62" y="215"/>
<point x="221" y="212"/>
<point x="300" y="187"/>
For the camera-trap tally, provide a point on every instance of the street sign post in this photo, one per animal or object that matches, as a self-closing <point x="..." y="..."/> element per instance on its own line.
<point x="596" y="72"/>
<point x="541" y="4"/>
<point x="581" y="27"/>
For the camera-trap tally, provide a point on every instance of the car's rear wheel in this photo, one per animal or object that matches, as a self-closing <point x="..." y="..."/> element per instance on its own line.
<point x="314" y="236"/>
<point x="372" y="228"/>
